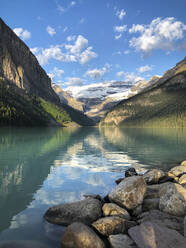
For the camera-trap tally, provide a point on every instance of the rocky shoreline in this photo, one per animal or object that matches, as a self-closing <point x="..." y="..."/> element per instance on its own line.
<point x="143" y="211"/>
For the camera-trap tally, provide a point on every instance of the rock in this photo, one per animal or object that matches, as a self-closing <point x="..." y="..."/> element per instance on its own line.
<point x="150" y="204"/>
<point x="121" y="241"/>
<point x="119" y="180"/>
<point x="153" y="190"/>
<point x="136" y="211"/>
<point x="113" y="209"/>
<point x="182" y="179"/>
<point x="174" y="178"/>
<point x="78" y="235"/>
<point x="85" y="211"/>
<point x="129" y="193"/>
<point x="98" y="197"/>
<point x="153" y="176"/>
<point x="22" y="244"/>
<point x="112" y="225"/>
<point x="173" y="200"/>
<point x="53" y="232"/>
<point x="151" y="235"/>
<point x="178" y="170"/>
<point x="162" y="219"/>
<point x="185" y="226"/>
<point x="183" y="163"/>
<point x="130" y="172"/>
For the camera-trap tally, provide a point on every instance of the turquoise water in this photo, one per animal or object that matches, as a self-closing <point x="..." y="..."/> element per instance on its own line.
<point x="44" y="167"/>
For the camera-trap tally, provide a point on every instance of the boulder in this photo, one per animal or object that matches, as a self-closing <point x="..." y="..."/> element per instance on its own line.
<point x="112" y="225"/>
<point x="151" y="235"/>
<point x="173" y="200"/>
<point x="136" y="211"/>
<point x="178" y="170"/>
<point x="121" y="241"/>
<point x="185" y="226"/>
<point x="85" y="211"/>
<point x="94" y="196"/>
<point x="162" y="219"/>
<point x="153" y="191"/>
<point x="78" y="235"/>
<point x="119" y="180"/>
<point x="182" y="179"/>
<point x="129" y="193"/>
<point x="22" y="244"/>
<point x="110" y="209"/>
<point x="130" y="172"/>
<point x="183" y="163"/>
<point x="150" y="204"/>
<point x="153" y="176"/>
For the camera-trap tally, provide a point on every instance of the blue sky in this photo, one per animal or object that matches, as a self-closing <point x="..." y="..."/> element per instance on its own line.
<point x="83" y="42"/>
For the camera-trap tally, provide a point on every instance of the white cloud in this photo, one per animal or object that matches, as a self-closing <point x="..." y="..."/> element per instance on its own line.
<point x="71" y="38"/>
<point x="58" y="72"/>
<point x="120" y="14"/>
<point x="96" y="73"/>
<point x="126" y="51"/>
<point x="23" y="34"/>
<point x="60" y="8"/>
<point x="74" y="81"/>
<point x="51" y="76"/>
<point x="132" y="77"/>
<point x="136" y="28"/>
<point x="120" y="29"/>
<point x="51" y="31"/>
<point x="145" y="68"/>
<point x="34" y="50"/>
<point x="72" y="3"/>
<point x="159" y="34"/>
<point x="117" y="37"/>
<point x="120" y="74"/>
<point x="87" y="55"/>
<point x="79" y="45"/>
<point x="77" y="52"/>
<point x="65" y="29"/>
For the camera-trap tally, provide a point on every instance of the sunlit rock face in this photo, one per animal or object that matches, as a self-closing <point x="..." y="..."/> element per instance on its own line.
<point x="20" y="66"/>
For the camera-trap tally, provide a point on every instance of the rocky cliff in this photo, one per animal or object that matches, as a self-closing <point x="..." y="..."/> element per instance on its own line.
<point x="161" y="104"/>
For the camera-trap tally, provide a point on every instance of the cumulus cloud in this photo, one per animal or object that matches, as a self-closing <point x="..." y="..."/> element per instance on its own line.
<point x="120" y="14"/>
<point x="145" y="68"/>
<point x="77" y="52"/>
<point x="120" y="29"/>
<point x="159" y="34"/>
<point x="120" y="73"/>
<point x="74" y="81"/>
<point x="96" y="73"/>
<point x="71" y="38"/>
<point x="51" y="31"/>
<point x="132" y="77"/>
<point x="58" y="72"/>
<point x="22" y="33"/>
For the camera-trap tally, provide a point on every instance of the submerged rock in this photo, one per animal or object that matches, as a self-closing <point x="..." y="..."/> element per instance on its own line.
<point x="113" y="209"/>
<point x="78" y="235"/>
<point x="173" y="200"/>
<point x="153" y="176"/>
<point x="112" y="225"/>
<point x="121" y="241"/>
<point x="129" y="193"/>
<point x="151" y="235"/>
<point x="162" y="219"/>
<point x="85" y="211"/>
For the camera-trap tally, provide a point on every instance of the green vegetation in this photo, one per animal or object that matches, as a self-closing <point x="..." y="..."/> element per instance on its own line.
<point x="164" y="105"/>
<point x="20" y="109"/>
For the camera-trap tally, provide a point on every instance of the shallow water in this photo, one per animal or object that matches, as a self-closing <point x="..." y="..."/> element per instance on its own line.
<point x="42" y="167"/>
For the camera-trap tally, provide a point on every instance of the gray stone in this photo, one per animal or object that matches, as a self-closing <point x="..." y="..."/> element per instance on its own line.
<point x="162" y="219"/>
<point x="182" y="179"/>
<point x="151" y="235"/>
<point x="150" y="204"/>
<point x="136" y="211"/>
<point x="185" y="226"/>
<point x="110" y="209"/>
<point x="153" y="176"/>
<point x="112" y="225"/>
<point x="153" y="191"/>
<point x="85" y="211"/>
<point x="121" y="241"/>
<point x="129" y="193"/>
<point x="22" y="244"/>
<point x="178" y="170"/>
<point x="78" y="235"/>
<point x="173" y="200"/>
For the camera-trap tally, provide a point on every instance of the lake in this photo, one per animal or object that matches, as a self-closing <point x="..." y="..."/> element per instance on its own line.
<point x="42" y="167"/>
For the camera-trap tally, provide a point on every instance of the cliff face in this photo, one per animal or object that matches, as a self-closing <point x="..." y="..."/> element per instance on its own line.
<point x="20" y="66"/>
<point x="161" y="104"/>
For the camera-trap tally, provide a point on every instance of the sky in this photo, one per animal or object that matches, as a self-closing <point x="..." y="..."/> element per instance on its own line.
<point x="90" y="42"/>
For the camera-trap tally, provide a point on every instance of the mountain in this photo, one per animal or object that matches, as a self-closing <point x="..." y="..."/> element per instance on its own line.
<point x="162" y="103"/>
<point x="26" y="94"/>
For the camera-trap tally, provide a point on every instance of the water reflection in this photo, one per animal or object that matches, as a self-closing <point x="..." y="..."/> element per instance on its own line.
<point x="44" y="167"/>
